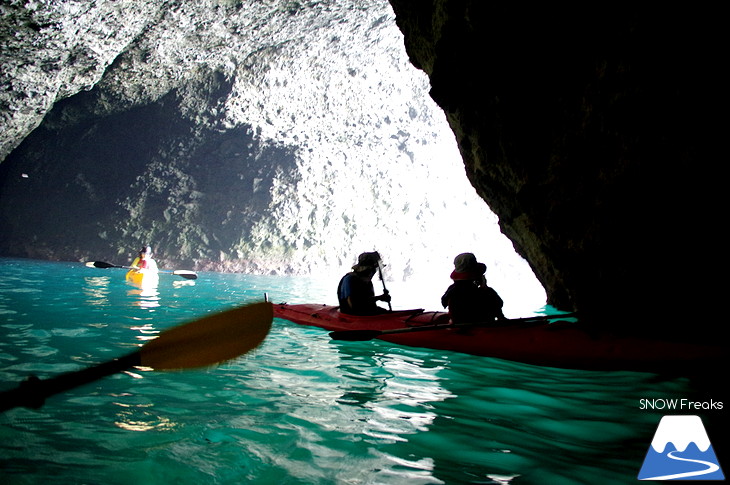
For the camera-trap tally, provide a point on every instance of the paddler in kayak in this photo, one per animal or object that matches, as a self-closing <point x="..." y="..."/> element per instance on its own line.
<point x="469" y="299"/>
<point x="144" y="260"/>
<point x="355" y="291"/>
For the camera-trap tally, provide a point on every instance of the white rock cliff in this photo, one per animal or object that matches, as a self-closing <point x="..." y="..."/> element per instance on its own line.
<point x="304" y="136"/>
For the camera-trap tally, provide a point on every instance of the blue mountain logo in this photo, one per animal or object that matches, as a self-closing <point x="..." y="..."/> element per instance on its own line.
<point x="681" y="450"/>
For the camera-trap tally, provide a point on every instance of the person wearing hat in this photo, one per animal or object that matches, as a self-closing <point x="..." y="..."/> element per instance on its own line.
<point x="469" y="299"/>
<point x="144" y="260"/>
<point x="355" y="291"/>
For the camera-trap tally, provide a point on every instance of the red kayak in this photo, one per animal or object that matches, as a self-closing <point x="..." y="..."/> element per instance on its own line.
<point x="536" y="341"/>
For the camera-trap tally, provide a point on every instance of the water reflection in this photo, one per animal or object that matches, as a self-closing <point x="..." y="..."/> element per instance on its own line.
<point x="341" y="407"/>
<point x="147" y="332"/>
<point x="146" y="289"/>
<point x="407" y="397"/>
<point x="140" y="417"/>
<point x="96" y="289"/>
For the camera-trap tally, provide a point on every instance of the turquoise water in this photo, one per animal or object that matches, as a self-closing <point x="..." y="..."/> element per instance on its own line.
<point x="300" y="409"/>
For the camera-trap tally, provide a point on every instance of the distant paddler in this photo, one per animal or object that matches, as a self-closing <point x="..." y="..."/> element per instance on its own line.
<point x="144" y="268"/>
<point x="144" y="263"/>
<point x="144" y="260"/>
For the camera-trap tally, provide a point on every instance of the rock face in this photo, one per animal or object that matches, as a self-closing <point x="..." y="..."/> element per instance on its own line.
<point x="268" y="137"/>
<point x="588" y="131"/>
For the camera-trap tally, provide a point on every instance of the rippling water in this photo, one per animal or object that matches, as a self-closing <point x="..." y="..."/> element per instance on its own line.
<point x="301" y="409"/>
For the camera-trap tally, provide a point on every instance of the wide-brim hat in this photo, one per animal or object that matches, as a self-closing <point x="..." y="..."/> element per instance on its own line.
<point x="466" y="267"/>
<point x="367" y="261"/>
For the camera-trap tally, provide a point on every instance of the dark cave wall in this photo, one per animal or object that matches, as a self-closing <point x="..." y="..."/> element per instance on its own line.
<point x="579" y="127"/>
<point x="134" y="175"/>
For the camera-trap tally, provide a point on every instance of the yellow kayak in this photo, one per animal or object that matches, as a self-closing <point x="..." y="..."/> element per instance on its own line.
<point x="143" y="278"/>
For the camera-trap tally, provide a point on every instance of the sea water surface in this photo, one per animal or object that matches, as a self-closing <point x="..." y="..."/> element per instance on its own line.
<point x="301" y="408"/>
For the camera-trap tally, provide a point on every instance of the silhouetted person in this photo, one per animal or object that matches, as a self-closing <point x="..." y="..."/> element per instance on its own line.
<point x="355" y="291"/>
<point x="469" y="299"/>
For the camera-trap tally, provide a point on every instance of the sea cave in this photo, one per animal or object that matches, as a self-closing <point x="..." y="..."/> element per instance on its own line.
<point x="246" y="136"/>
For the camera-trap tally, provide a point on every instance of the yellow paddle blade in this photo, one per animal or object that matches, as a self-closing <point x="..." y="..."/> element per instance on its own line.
<point x="209" y="340"/>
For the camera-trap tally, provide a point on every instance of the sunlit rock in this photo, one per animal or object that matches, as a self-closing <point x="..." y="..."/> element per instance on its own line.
<point x="267" y="137"/>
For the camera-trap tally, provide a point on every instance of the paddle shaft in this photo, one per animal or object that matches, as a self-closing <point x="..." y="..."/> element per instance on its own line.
<point x="382" y="280"/>
<point x="191" y="275"/>
<point x="33" y="392"/>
